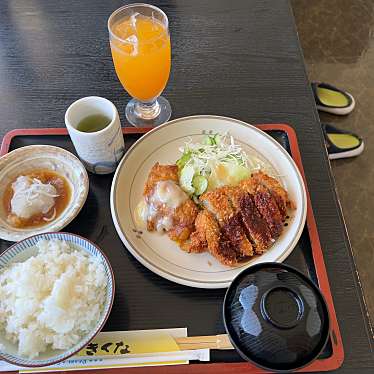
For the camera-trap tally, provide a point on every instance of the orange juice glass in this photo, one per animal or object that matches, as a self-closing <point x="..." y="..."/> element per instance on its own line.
<point x="140" y="45"/>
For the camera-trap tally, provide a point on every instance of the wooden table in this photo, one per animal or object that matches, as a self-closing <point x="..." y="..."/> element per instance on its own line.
<point x="237" y="58"/>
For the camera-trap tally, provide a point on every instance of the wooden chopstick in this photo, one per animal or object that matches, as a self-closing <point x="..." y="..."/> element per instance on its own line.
<point x="200" y="342"/>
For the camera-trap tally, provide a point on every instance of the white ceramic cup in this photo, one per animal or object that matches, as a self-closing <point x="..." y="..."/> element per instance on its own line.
<point x="100" y="151"/>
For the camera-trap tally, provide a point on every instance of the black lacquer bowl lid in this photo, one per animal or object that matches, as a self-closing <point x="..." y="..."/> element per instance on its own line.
<point x="276" y="317"/>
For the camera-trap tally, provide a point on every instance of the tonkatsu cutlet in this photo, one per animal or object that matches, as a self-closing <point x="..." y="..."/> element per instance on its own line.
<point x="234" y="245"/>
<point x="268" y="208"/>
<point x="270" y="198"/>
<point x="206" y="235"/>
<point x="223" y="243"/>
<point x="218" y="203"/>
<point x="256" y="227"/>
<point x="250" y="215"/>
<point x="279" y="193"/>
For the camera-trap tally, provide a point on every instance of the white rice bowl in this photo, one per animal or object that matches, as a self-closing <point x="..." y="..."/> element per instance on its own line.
<point x="53" y="301"/>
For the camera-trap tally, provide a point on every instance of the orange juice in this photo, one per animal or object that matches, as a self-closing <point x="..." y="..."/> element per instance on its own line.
<point x="142" y="56"/>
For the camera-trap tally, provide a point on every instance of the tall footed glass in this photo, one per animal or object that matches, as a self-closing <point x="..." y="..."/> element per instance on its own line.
<point x="141" y="52"/>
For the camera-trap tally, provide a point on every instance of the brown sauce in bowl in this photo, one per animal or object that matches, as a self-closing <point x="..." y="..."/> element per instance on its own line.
<point x="60" y="202"/>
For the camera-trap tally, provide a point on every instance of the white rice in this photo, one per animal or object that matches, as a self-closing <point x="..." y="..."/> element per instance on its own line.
<point x="52" y="299"/>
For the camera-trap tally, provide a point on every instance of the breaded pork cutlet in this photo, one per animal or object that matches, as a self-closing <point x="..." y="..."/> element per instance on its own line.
<point x="234" y="245"/>
<point x="279" y="193"/>
<point x="181" y="219"/>
<point x="209" y="236"/>
<point x="269" y="210"/>
<point x="206" y="235"/>
<point x="248" y="218"/>
<point x="257" y="229"/>
<point x="270" y="199"/>
<point x="218" y="203"/>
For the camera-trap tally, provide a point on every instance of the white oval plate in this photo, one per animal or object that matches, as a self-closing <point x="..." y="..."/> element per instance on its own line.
<point x="157" y="252"/>
<point x="59" y="160"/>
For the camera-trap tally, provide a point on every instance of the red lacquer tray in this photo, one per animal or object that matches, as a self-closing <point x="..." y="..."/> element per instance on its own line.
<point x="331" y="360"/>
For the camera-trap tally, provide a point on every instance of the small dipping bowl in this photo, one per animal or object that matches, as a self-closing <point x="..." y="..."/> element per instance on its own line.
<point x="24" y="160"/>
<point x="276" y="317"/>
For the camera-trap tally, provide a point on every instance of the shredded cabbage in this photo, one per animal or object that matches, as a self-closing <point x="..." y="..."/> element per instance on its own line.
<point x="213" y="150"/>
<point x="202" y="159"/>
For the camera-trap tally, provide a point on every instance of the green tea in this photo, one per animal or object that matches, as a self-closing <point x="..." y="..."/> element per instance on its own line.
<point x="95" y="122"/>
